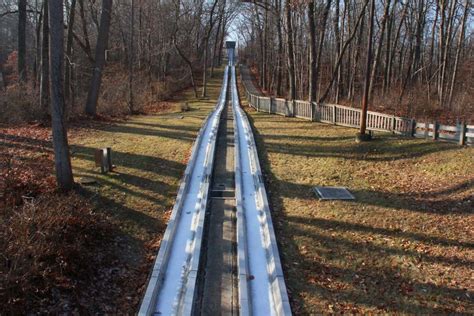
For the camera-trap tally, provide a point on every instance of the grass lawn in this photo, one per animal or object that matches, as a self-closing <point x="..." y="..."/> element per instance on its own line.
<point x="150" y="153"/>
<point x="405" y="245"/>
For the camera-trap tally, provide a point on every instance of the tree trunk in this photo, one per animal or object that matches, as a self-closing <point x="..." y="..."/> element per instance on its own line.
<point x="445" y="55"/>
<point x="341" y="53"/>
<point x="86" y="46"/>
<point x="102" y="39"/>
<point x="44" y="80"/>
<point x="320" y="46"/>
<point x="69" y="61"/>
<point x="458" y="51"/>
<point x="280" y="49"/>
<point x="379" y="47"/>
<point x="290" y="52"/>
<point x="38" y="21"/>
<point x="131" y="60"/>
<point x="22" y="41"/>
<point x="312" y="52"/>
<point x="365" y="98"/>
<point x="206" y="48"/>
<point x="62" y="158"/>
<point x="337" y="35"/>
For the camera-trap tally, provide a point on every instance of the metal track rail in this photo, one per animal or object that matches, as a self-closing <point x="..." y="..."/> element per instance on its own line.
<point x="171" y="287"/>
<point x="176" y="283"/>
<point x="262" y="289"/>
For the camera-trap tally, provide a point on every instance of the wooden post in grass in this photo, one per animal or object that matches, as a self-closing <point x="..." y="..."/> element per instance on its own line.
<point x="462" y="134"/>
<point x="103" y="159"/>
<point x="413" y="128"/>
<point x="427" y="129"/>
<point x="435" y="130"/>
<point x="109" y="158"/>
<point x="334" y="114"/>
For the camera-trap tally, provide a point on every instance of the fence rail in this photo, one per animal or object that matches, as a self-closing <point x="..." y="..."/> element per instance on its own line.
<point x="350" y="117"/>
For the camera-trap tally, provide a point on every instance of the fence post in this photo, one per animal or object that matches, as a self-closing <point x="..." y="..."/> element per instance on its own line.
<point x="413" y="128"/>
<point x="270" y="105"/>
<point x="394" y="120"/>
<point x="334" y="114"/>
<point x="258" y="104"/>
<point x="462" y="134"/>
<point x="435" y="130"/>
<point x="427" y="129"/>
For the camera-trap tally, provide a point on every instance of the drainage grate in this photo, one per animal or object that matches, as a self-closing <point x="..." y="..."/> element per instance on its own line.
<point x="333" y="193"/>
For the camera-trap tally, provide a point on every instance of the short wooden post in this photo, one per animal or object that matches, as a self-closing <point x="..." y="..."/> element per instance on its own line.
<point x="109" y="158"/>
<point x="427" y="129"/>
<point x="258" y="104"/>
<point x="272" y="99"/>
<point x="103" y="159"/>
<point x="435" y="130"/>
<point x="462" y="134"/>
<point x="413" y="128"/>
<point x="317" y="112"/>
<point x="334" y="114"/>
<point x="394" y="122"/>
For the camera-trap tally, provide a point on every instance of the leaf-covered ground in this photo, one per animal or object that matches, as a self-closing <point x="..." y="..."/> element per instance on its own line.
<point x="405" y="245"/>
<point x="90" y="252"/>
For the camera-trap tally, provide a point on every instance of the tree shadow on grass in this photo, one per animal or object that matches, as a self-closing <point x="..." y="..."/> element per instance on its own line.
<point x="384" y="147"/>
<point x="185" y="128"/>
<point x="131" y="160"/>
<point x="134" y="219"/>
<point x="314" y="276"/>
<point x="128" y="129"/>
<point x="329" y="224"/>
<point x="417" y="202"/>
<point x="155" y="165"/>
<point x="143" y="188"/>
<point x="378" y="149"/>
<point x="125" y="159"/>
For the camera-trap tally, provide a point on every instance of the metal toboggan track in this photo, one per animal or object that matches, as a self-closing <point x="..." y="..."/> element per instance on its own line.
<point x="174" y="287"/>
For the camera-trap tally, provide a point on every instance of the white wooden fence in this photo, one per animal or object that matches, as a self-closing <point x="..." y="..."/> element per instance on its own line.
<point x="351" y="117"/>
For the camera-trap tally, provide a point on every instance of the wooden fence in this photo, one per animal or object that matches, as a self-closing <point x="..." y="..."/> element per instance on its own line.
<point x="346" y="116"/>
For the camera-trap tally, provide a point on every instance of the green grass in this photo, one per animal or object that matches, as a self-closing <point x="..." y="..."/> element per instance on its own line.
<point x="405" y="245"/>
<point x="150" y="154"/>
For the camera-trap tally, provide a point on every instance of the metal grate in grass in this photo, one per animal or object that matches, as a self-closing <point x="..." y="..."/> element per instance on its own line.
<point x="333" y="193"/>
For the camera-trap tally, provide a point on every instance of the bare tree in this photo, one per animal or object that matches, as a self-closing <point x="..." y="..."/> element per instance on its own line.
<point x="22" y="40"/>
<point x="312" y="52"/>
<point x="365" y="98"/>
<point x="206" y="48"/>
<point x="459" y="47"/>
<point x="290" y="53"/>
<point x="131" y="59"/>
<point x="69" y="44"/>
<point x="60" y="143"/>
<point x="44" y="79"/>
<point x="102" y="40"/>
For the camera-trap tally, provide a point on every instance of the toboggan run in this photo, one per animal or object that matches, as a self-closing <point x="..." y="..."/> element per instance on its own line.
<point x="219" y="253"/>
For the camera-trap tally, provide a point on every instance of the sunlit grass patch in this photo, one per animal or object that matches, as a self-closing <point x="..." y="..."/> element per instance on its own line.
<point x="405" y="245"/>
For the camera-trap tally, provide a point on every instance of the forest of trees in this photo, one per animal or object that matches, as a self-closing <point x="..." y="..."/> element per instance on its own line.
<point x="168" y="41"/>
<point x="421" y="52"/>
<point x="60" y="59"/>
<point x="108" y="57"/>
